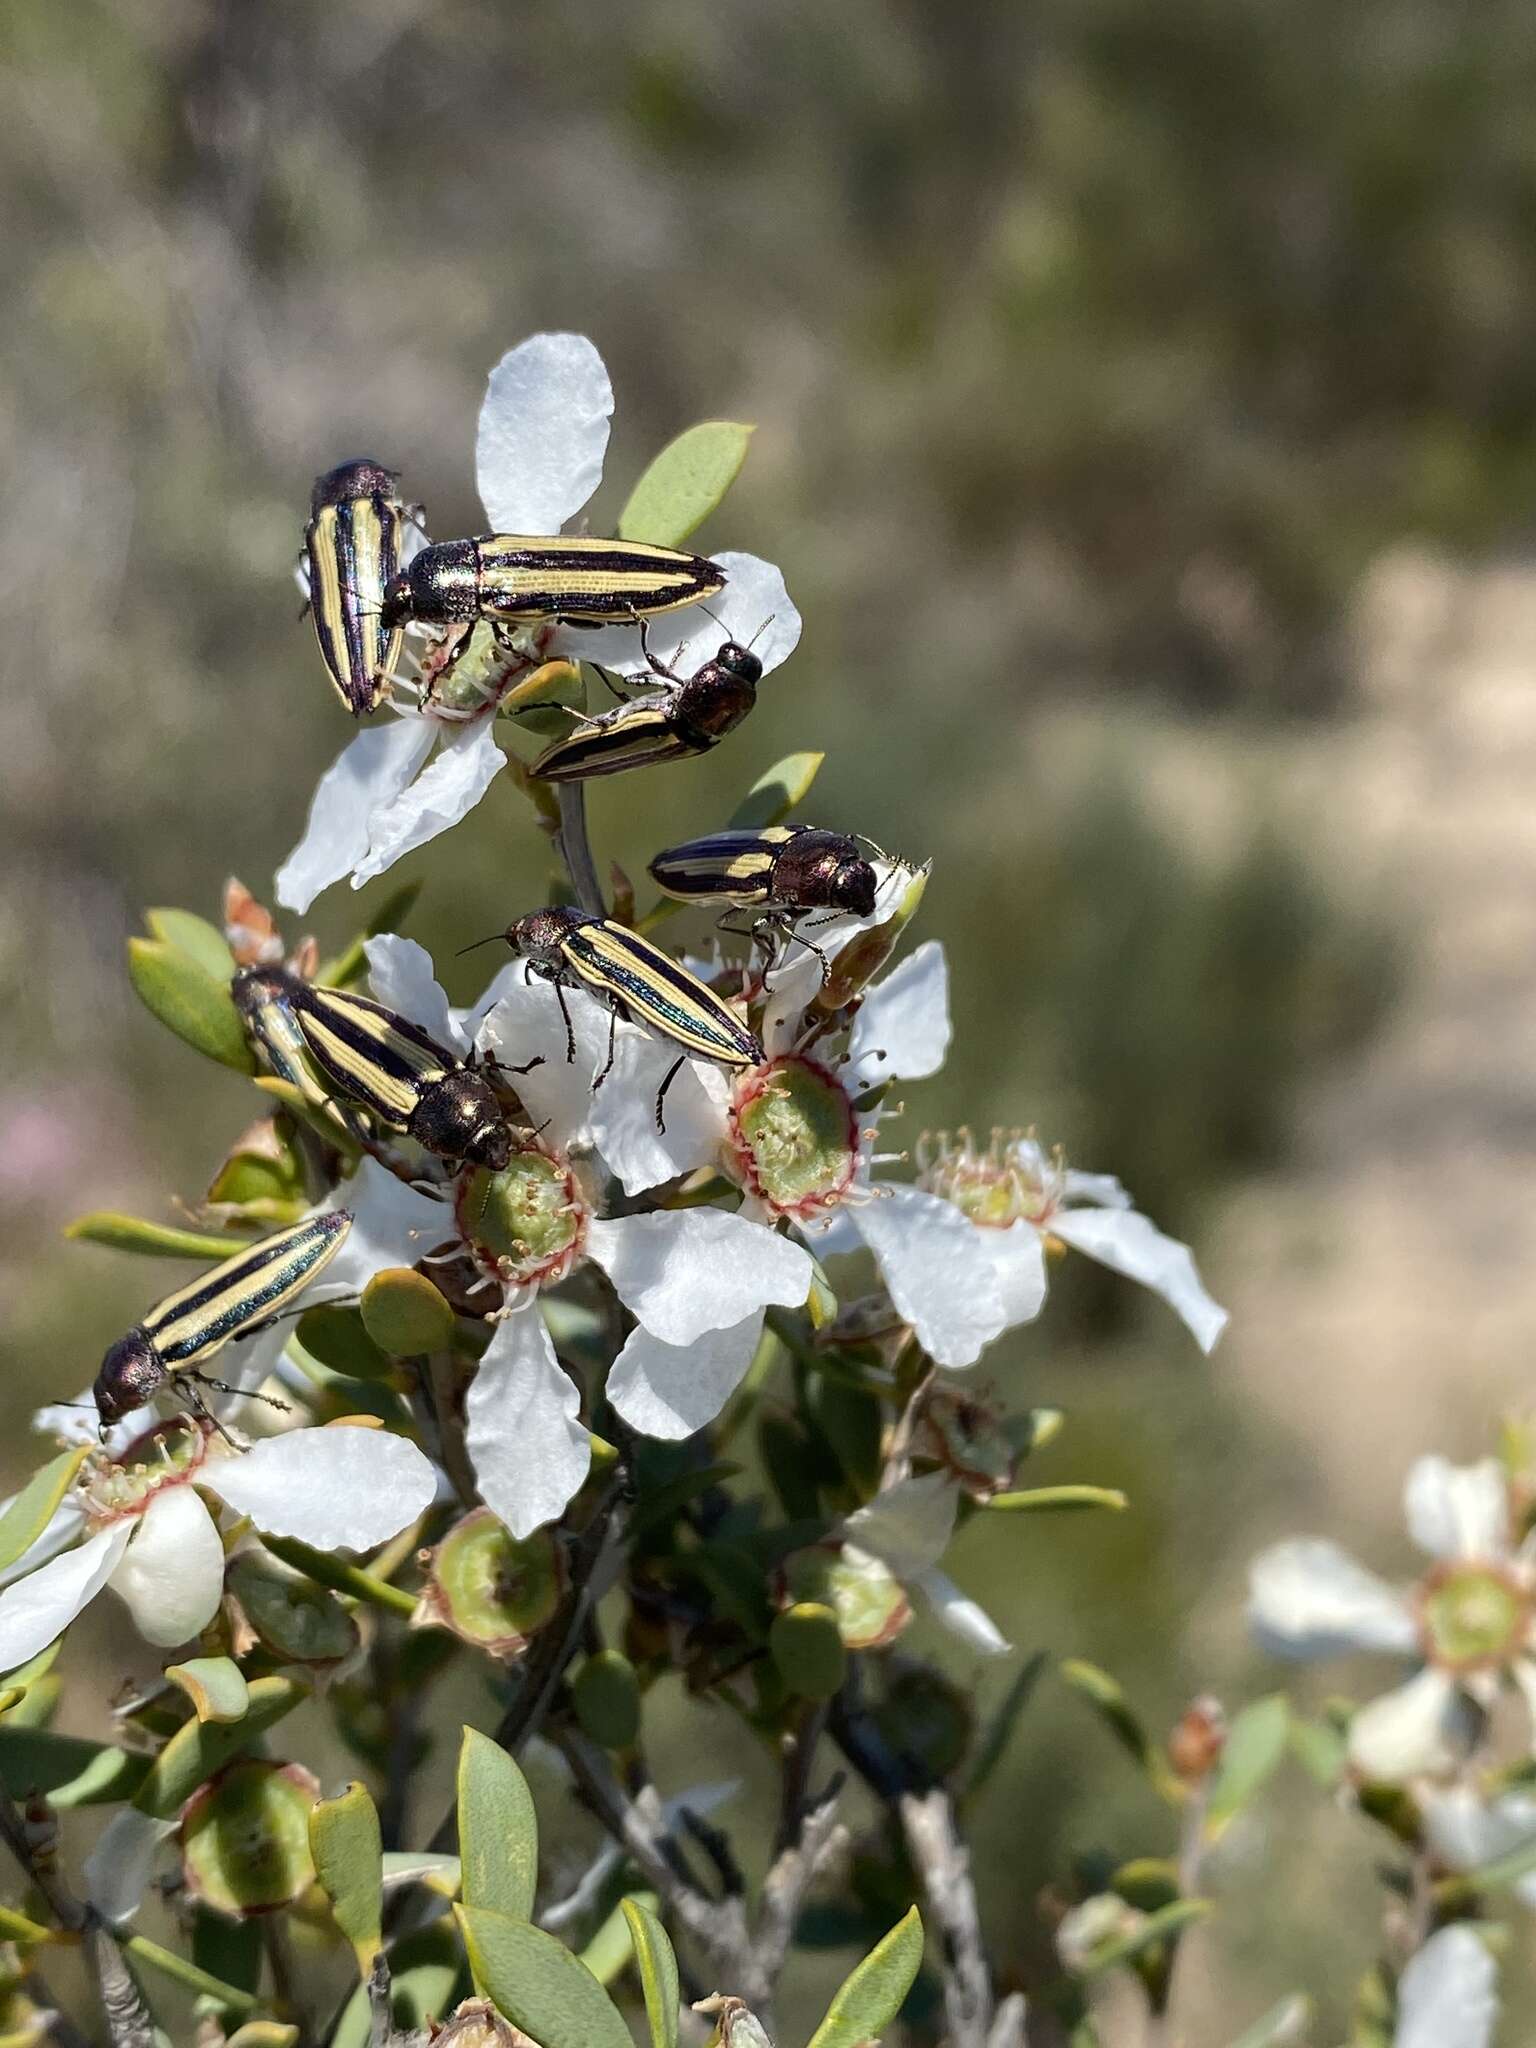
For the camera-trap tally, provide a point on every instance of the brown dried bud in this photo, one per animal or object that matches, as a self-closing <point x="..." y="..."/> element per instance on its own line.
<point x="1198" y="1739"/>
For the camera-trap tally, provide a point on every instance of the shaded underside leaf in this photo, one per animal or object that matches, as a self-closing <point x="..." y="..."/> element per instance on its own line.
<point x="871" y="1995"/>
<point x="538" y="1984"/>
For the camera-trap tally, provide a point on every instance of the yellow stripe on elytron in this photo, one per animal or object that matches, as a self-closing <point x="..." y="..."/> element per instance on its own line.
<point x="367" y="1019"/>
<point x="668" y="996"/>
<point x="393" y="1096"/>
<point x="516" y="581"/>
<point x="494" y="544"/>
<point x="255" y="1279"/>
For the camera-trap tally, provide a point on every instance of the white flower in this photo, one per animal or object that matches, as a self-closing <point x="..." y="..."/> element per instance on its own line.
<point x="1023" y="1200"/>
<point x="157" y="1545"/>
<point x="1471" y="1619"/>
<point x="1468" y="1829"/>
<point x="539" y="456"/>
<point x="791" y="1133"/>
<point x="908" y="1527"/>
<point x="1447" y="1997"/>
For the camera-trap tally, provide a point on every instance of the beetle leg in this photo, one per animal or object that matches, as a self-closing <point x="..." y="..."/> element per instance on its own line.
<point x="661" y="1092"/>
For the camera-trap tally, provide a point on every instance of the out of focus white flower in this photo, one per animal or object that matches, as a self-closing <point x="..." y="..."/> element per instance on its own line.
<point x="1447" y="1996"/>
<point x="908" y="1527"/>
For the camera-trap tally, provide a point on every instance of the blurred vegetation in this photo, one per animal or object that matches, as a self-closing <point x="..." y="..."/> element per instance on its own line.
<point x="1096" y="352"/>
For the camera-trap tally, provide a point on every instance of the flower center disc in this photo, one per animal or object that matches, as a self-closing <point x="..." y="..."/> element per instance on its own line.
<point x="527" y="1223"/>
<point x="172" y="1454"/>
<point x="1472" y="1616"/>
<point x="795" y="1136"/>
<point x="993" y="1188"/>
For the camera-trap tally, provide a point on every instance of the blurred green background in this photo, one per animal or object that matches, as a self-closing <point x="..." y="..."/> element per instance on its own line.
<point x="1147" y="428"/>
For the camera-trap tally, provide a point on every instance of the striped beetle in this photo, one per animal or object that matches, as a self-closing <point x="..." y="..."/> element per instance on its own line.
<point x="637" y="981"/>
<point x="352" y="551"/>
<point x="688" y="718"/>
<point x="519" y="579"/>
<point x="233" y="1300"/>
<point x="780" y="870"/>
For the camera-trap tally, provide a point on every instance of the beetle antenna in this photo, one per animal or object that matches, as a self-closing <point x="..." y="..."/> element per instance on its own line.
<point x="478" y="943"/>
<point x="762" y="629"/>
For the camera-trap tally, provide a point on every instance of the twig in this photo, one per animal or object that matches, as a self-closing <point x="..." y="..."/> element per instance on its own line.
<point x="26" y="1845"/>
<point x="820" y="1840"/>
<point x="944" y="1864"/>
<point x="898" y="1452"/>
<point x="799" y="1752"/>
<point x="1008" y="2027"/>
<point x="576" y="849"/>
<point x="122" y="2003"/>
<point x="716" y="1845"/>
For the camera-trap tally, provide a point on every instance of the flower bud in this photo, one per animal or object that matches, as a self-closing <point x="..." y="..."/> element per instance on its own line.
<point x="1199" y="1736"/>
<point x="807" y="1647"/>
<point x="405" y="1314"/>
<point x="606" y="1696"/>
<point x="490" y="1589"/>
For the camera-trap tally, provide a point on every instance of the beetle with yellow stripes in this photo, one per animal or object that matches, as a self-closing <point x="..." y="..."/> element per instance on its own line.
<point x="234" y="1300"/>
<point x="517" y="579"/>
<point x="685" y="715"/>
<point x="352" y="548"/>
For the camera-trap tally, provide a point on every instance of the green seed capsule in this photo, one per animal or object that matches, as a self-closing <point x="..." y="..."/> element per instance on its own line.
<point x="807" y="1647"/>
<point x="606" y="1696"/>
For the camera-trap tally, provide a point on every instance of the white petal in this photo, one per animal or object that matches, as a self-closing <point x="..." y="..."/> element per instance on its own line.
<point x="118" y="1869"/>
<point x="1127" y="1242"/>
<point x="792" y="984"/>
<point x="543" y="433"/>
<point x="1308" y="1598"/>
<point x="527" y="1023"/>
<point x="1423" y="1725"/>
<point x="341" y="1488"/>
<point x="172" y="1573"/>
<point x="671" y="1390"/>
<point x="76" y="1422"/>
<point x="1466" y="1831"/>
<point x="392" y="1225"/>
<point x="685" y="1271"/>
<point x="371" y="769"/>
<point x="1104" y="1190"/>
<point x="1458" y="1510"/>
<point x="909" y="1525"/>
<point x="441" y="794"/>
<point x="935" y="1271"/>
<point x="754" y="608"/>
<point x="1447" y="1997"/>
<point x="1018" y="1266"/>
<point x="401" y="976"/>
<point x="965" y="1617"/>
<point x="902" y="1029"/>
<point x="469" y="1022"/>
<point x="623" y="1120"/>
<point x="40" y="1607"/>
<point x="524" y="1433"/>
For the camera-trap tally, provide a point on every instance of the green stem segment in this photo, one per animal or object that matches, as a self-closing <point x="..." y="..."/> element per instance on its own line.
<point x="340" y="1576"/>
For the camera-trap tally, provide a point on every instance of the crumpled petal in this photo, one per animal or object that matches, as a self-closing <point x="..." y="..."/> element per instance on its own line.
<point x="524" y="1431"/>
<point x="118" y="1869"/>
<point x="41" y="1606"/>
<point x="441" y="794"/>
<point x="468" y="1023"/>
<point x="402" y="977"/>
<point x="371" y="769"/>
<point x="962" y="1615"/>
<point x="1458" y="1510"/>
<point x="935" y="1271"/>
<point x="392" y="1225"/>
<point x="1128" y="1243"/>
<point x="671" y="1390"/>
<point x="1018" y="1266"/>
<point x="1447" y="1997"/>
<point x="682" y="1272"/>
<point x="623" y="1119"/>
<point x="172" y="1573"/>
<point x="908" y="1525"/>
<point x="754" y="609"/>
<point x="1308" y="1598"/>
<point x="1102" y="1189"/>
<point x="526" y="1024"/>
<point x="1423" y="1725"/>
<point x="1466" y="1831"/>
<point x="902" y="1030"/>
<point x="543" y="433"/>
<point x="340" y="1488"/>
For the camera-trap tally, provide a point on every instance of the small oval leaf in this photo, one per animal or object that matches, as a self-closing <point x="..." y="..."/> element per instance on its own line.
<point x="348" y="1849"/>
<point x="67" y="1769"/>
<point x="774" y="795"/>
<point x="871" y="1994"/>
<point x="154" y="1240"/>
<point x="685" y="483"/>
<point x="200" y="1748"/>
<point x="1256" y="1742"/>
<point x="1040" y="1499"/>
<point x="189" y="1001"/>
<point x="658" y="1972"/>
<point x="538" y="1984"/>
<point x="498" y="1835"/>
<point x="201" y="941"/>
<point x="33" y="1508"/>
<point x="405" y="1314"/>
<point x="216" y="1686"/>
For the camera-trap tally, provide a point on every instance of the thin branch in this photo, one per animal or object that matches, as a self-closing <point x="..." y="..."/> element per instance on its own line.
<point x="1008" y="2027"/>
<point x="33" y="1850"/>
<point x="576" y="849"/>
<point x="122" y="2003"/>
<point x="821" y="1840"/>
<point x="944" y="1864"/>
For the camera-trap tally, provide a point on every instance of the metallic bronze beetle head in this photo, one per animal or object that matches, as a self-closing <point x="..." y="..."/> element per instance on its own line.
<point x="440" y="588"/>
<point x="825" y="871"/>
<point x="131" y="1374"/>
<point x="459" y="1117"/>
<point x="360" y="478"/>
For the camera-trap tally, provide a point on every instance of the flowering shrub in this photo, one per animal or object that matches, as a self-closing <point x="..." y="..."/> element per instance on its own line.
<point x="589" y="1335"/>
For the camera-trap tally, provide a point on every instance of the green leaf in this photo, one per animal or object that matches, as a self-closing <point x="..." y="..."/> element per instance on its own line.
<point x="188" y="1001"/>
<point x="1282" y="2025"/>
<point x="154" y="1957"/>
<point x="1115" y="1709"/>
<point x="154" y="1240"/>
<point x="538" y="1984"/>
<point x="1043" y="1498"/>
<point x="216" y="1686"/>
<point x="425" y="1971"/>
<point x="1320" y="1748"/>
<point x="1157" y="1928"/>
<point x="685" y="483"/>
<point x="68" y="1770"/>
<point x="658" y="1972"/>
<point x="201" y="941"/>
<point x="1256" y="1741"/>
<point x="437" y="1872"/>
<point x="871" y="1995"/>
<point x="498" y="1834"/>
<point x="774" y="795"/>
<point x="263" y="2034"/>
<point x="200" y="1748"/>
<point x="998" y="1732"/>
<point x="345" y="1841"/>
<point x="404" y="1314"/>
<point x="33" y="1508"/>
<point x="351" y="964"/>
<point x="336" y="1336"/>
<point x="16" y="1926"/>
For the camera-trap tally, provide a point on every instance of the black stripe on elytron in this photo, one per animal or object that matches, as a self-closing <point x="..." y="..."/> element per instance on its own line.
<point x="624" y="557"/>
<point x="628" y="743"/>
<point x="344" y="1013"/>
<point x="270" y="1269"/>
<point x="681" y="1007"/>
